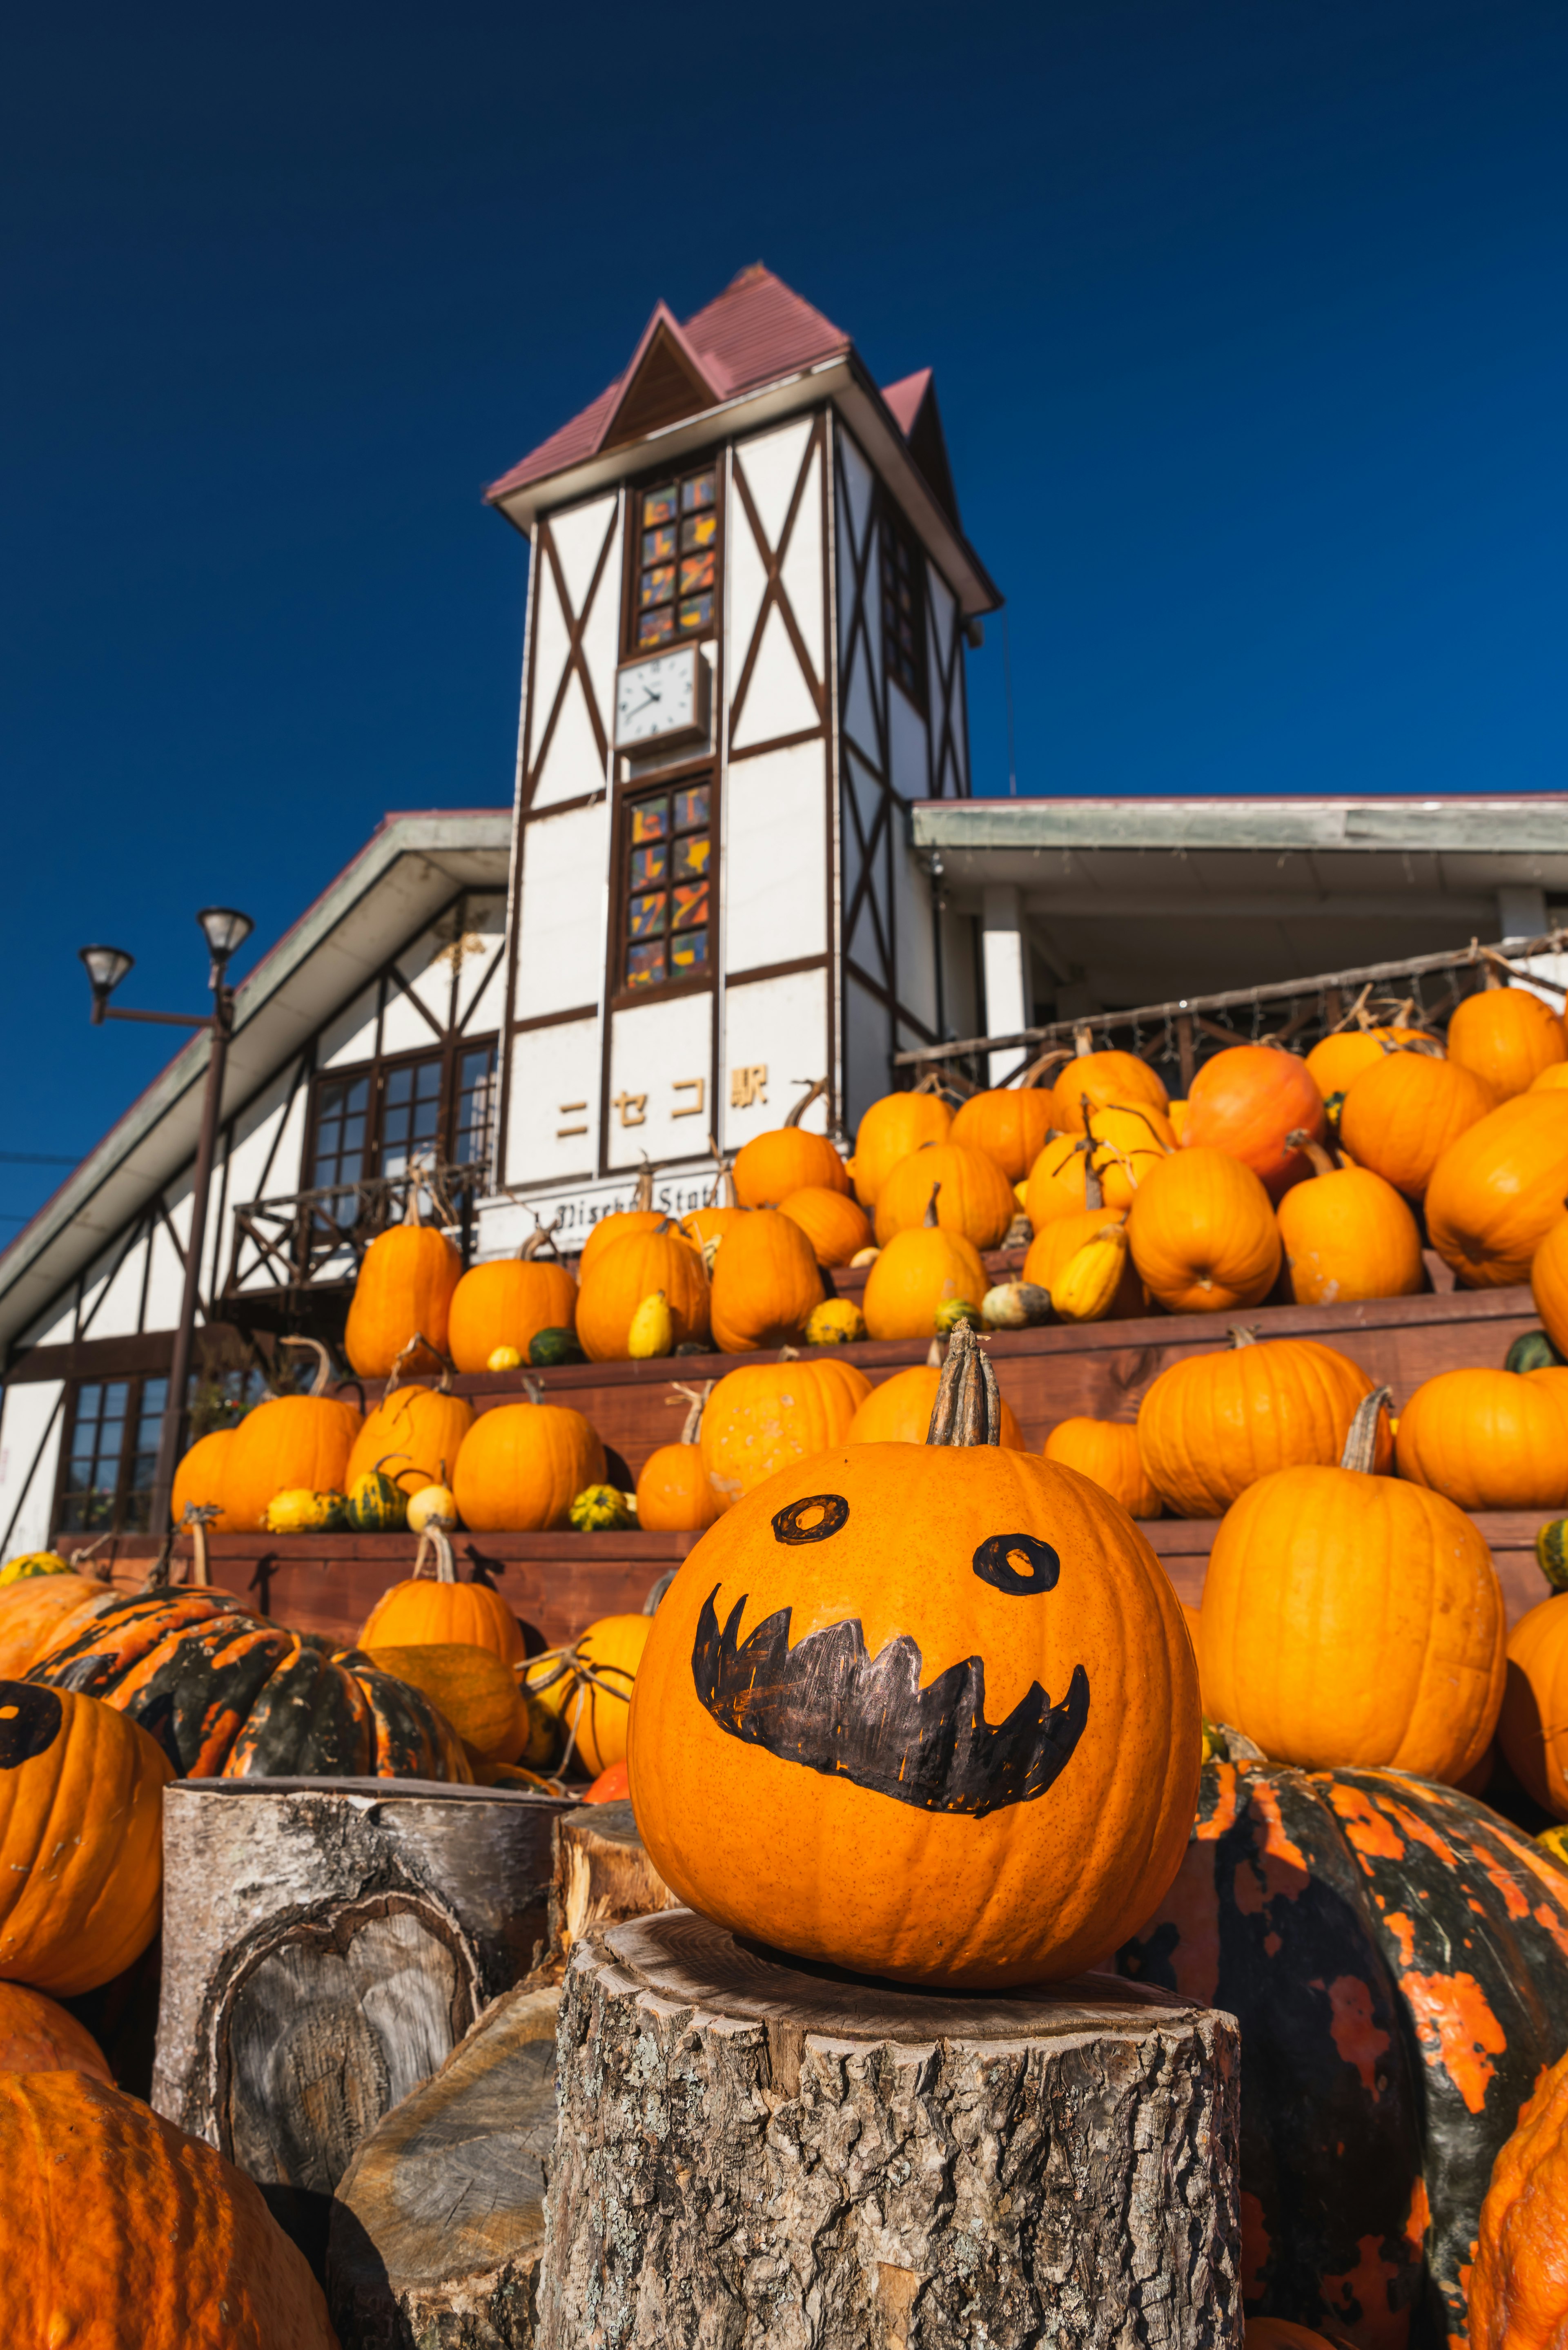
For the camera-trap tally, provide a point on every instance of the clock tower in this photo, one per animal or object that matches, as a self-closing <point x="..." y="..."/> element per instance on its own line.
<point x="749" y="601"/>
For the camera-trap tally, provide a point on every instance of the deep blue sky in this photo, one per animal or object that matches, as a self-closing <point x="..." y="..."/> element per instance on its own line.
<point x="1247" y="316"/>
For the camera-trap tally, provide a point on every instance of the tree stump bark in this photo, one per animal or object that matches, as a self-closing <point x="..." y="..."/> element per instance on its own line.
<point x="754" y="2152"/>
<point x="439" y="2221"/>
<point x="326" y="1943"/>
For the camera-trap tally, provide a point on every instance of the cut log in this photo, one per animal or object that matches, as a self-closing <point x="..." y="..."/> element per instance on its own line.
<point x="751" y="2152"/>
<point x="602" y="1875"/>
<point x="326" y="1943"/>
<point x="439" y="2221"/>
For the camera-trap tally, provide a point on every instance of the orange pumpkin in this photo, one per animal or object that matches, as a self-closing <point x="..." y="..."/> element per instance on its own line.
<point x="706" y="1224"/>
<point x="770" y="1166"/>
<point x="642" y="1216"/>
<point x="834" y="1224"/>
<point x="289" y="1442"/>
<point x="590" y="1685"/>
<point x="1247" y="1100"/>
<point x="899" y="1411"/>
<point x="890" y="1129"/>
<point x="81" y="1825"/>
<point x="766" y="1417"/>
<point x="504" y="1302"/>
<point x="1549" y="1284"/>
<point x="1335" y="1063"/>
<point x="1212" y="1424"/>
<point x="439" y="1609"/>
<point x="32" y="1611"/>
<point x="673" y="1495"/>
<point x="1130" y="1141"/>
<point x="521" y="1468"/>
<point x="1497" y="1190"/>
<point x="1107" y="1451"/>
<point x="1347" y="1234"/>
<point x="1532" y="1729"/>
<point x="37" y="2035"/>
<point x="1061" y="1182"/>
<point x="766" y="1280"/>
<point x="1310" y="1557"/>
<point x="1507" y="1036"/>
<point x="418" y="1431"/>
<point x="918" y="1272"/>
<point x="1518" y="2297"/>
<point x="404" y="1291"/>
<point x="976" y="1197"/>
<point x="475" y="1689"/>
<point x="1552" y="1079"/>
<point x="121" y="2232"/>
<point x="1009" y="1123"/>
<point x="198" y="1479"/>
<point x="1401" y="1113"/>
<point x="1203" y="1233"/>
<point x="1487" y="1439"/>
<point x="1058" y="1242"/>
<point x="941" y="1591"/>
<point x="1105" y="1078"/>
<point x="631" y="1269"/>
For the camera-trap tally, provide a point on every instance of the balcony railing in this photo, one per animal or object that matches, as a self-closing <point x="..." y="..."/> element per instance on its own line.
<point x="304" y="1240"/>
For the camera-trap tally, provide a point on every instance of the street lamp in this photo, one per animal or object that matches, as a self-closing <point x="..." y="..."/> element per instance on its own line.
<point x="225" y="933"/>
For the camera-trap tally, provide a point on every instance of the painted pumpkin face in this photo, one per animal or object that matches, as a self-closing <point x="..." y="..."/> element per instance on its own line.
<point x="927" y="1712"/>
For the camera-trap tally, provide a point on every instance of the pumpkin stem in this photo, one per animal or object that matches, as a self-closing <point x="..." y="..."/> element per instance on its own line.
<point x="433" y="1540"/>
<point x="323" y="1361"/>
<point x="1361" y="1443"/>
<point x="697" y="1398"/>
<point x="1094" y="1189"/>
<point x="934" y="1356"/>
<point x="1083" y="1044"/>
<point x="1320" y="1160"/>
<point x="642" y="1198"/>
<point x="1033" y="1073"/>
<point x="929" y="1218"/>
<point x="813" y="1087"/>
<point x="723" y="1193"/>
<point x="1242" y="1334"/>
<point x="533" y="1391"/>
<point x="541" y="1235"/>
<point x="968" y="1409"/>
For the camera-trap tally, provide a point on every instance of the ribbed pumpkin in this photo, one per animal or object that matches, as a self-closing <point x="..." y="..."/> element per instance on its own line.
<point x="589" y="1686"/>
<point x="1212" y="1424"/>
<point x="521" y="1467"/>
<point x="899" y="1411"/>
<point x="917" y="1274"/>
<point x="81" y="1812"/>
<point x="767" y="1416"/>
<point x="1007" y="1762"/>
<point x="1487" y="1439"/>
<point x="1335" y="1064"/>
<point x="1130" y="1140"/>
<point x="1246" y="1101"/>
<point x="673" y="1495"/>
<point x="1061" y="1183"/>
<point x="642" y="1216"/>
<point x="1347" y="1234"/>
<point x="1552" y="1079"/>
<point x="198" y="1479"/>
<point x="1549" y="1284"/>
<point x="766" y="1281"/>
<point x="1009" y="1123"/>
<point x="32" y="1611"/>
<point x="710" y="1222"/>
<point x="1497" y="1190"/>
<point x="1401" y="1113"/>
<point x="1203" y="1234"/>
<point x="37" y="2035"/>
<point x="1106" y="1077"/>
<point x="437" y="1608"/>
<point x="976" y="1196"/>
<point x="836" y="1226"/>
<point x="1533" y="1730"/>
<point x="504" y="1302"/>
<point x="1395" y="1954"/>
<point x="469" y="1684"/>
<point x="770" y="1166"/>
<point x="1507" y="1036"/>
<point x="121" y="2233"/>
<point x="1058" y="1242"/>
<point x="888" y="1133"/>
<point x="230" y="1695"/>
<point x="1519" y="2284"/>
<point x="417" y="1432"/>
<point x="289" y="1443"/>
<point x="631" y="1269"/>
<point x="1107" y="1451"/>
<point x="1304" y="1562"/>
<point x="404" y="1291"/>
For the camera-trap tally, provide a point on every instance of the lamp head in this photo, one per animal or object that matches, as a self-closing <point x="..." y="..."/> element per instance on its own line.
<point x="106" y="967"/>
<point x="226" y="932"/>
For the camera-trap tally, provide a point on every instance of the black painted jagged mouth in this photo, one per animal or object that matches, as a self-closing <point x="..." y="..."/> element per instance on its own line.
<point x="829" y="1705"/>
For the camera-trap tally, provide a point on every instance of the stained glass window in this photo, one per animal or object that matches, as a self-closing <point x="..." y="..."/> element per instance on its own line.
<point x="669" y="841"/>
<point x="903" y="613"/>
<point x="677" y="568"/>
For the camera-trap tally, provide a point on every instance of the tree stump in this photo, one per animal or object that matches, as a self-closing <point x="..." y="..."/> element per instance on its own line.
<point x="326" y="1943"/>
<point x="602" y="1875"/>
<point x="751" y="2152"/>
<point x="439" y="2221"/>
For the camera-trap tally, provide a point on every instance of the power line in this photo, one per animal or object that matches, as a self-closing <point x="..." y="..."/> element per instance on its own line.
<point x="34" y="1159"/>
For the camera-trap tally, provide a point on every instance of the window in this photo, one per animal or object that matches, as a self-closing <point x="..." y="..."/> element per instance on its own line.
<point x="667" y="849"/>
<point x="476" y="1103"/>
<point x="677" y="560"/>
<point x="410" y="1113"/>
<point x="112" y="1455"/>
<point x="376" y="1121"/>
<point x="903" y="612"/>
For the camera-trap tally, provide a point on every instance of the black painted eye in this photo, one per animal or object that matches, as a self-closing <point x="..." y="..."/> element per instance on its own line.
<point x="29" y="1723"/>
<point x="1017" y="1564"/>
<point x="812" y="1520"/>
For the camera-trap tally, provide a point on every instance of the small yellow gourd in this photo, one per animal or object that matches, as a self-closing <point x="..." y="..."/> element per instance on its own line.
<point x="432" y="1502"/>
<point x="835" y="1322"/>
<point x="502" y="1358"/>
<point x="1086" y="1291"/>
<point x="301" y="1511"/>
<point x="652" y="1331"/>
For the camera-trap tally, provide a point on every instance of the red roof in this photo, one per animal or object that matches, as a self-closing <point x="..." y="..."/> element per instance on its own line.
<point x="756" y="331"/>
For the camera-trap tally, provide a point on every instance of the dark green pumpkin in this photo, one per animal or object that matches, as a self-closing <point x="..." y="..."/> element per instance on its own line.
<point x="549" y="1346"/>
<point x="1552" y="1553"/>
<point x="1533" y="1352"/>
<point x="1397" y="1957"/>
<point x="230" y="1695"/>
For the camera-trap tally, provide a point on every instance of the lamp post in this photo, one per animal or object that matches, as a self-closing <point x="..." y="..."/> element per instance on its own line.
<point x="225" y="933"/>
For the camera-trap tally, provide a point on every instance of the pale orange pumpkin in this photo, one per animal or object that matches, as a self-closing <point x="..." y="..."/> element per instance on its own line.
<point x="673" y="1495"/>
<point x="418" y="1431"/>
<point x="289" y="1443"/>
<point x="766" y="1281"/>
<point x="435" y="1606"/>
<point x="630" y="1269"/>
<point x="1212" y="1424"/>
<point x="38" y="2035"/>
<point x="918" y="1272"/>
<point x="1402" y="1112"/>
<point x="1497" y="1190"/>
<point x="1061" y="1182"/>
<point x="1246" y="1101"/>
<point x="1507" y="1036"/>
<point x="1009" y="1123"/>
<point x="1487" y="1439"/>
<point x="899" y="1411"/>
<point x="1347" y="1234"/>
<point x="504" y="1302"/>
<point x="773" y="1165"/>
<point x="976" y="1197"/>
<point x="889" y="1131"/>
<point x="521" y="1467"/>
<point x="766" y="1415"/>
<point x="1518" y="2286"/>
<point x="33" y="1613"/>
<point x="1203" y="1234"/>
<point x="198" y="1479"/>
<point x="1106" y="1077"/>
<point x="836" y="1226"/>
<point x="1106" y="1450"/>
<point x="1130" y="1139"/>
<point x="404" y="1291"/>
<point x="1335" y="1063"/>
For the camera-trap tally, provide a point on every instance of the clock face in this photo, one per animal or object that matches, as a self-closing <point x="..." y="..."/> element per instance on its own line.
<point x="658" y="698"/>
